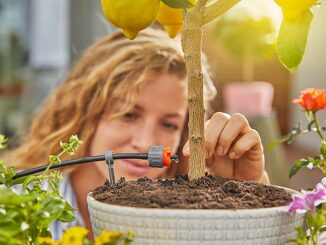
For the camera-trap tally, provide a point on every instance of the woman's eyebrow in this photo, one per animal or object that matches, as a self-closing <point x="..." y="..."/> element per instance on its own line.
<point x="176" y="114"/>
<point x="169" y="115"/>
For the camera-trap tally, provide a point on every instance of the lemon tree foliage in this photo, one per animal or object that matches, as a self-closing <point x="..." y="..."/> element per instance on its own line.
<point x="132" y="16"/>
<point x="294" y="31"/>
<point x="292" y="40"/>
<point x="179" y="4"/>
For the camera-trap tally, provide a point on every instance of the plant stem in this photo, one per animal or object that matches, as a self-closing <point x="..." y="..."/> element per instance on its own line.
<point x="191" y="39"/>
<point x="191" y="44"/>
<point x="314" y="114"/>
<point x="50" y="164"/>
<point x="217" y="9"/>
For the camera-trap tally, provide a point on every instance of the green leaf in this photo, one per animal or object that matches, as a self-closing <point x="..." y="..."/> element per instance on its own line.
<point x="66" y="216"/>
<point x="8" y="197"/>
<point x="323" y="149"/>
<point x="50" y="210"/>
<point x="178" y="4"/>
<point x="297" y="166"/>
<point x="19" y="180"/>
<point x="3" y="142"/>
<point x="30" y="179"/>
<point x="10" y="228"/>
<point x="54" y="186"/>
<point x="292" y="40"/>
<point x="54" y="159"/>
<point x="68" y="207"/>
<point x="275" y="143"/>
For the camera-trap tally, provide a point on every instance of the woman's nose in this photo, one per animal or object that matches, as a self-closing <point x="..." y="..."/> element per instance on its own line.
<point x="144" y="137"/>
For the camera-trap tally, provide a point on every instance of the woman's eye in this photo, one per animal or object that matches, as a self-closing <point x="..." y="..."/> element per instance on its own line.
<point x="170" y="126"/>
<point x="129" y="116"/>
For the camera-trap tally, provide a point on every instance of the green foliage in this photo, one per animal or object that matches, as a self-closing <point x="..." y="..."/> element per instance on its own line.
<point x="27" y="215"/>
<point x="246" y="36"/>
<point x="311" y="162"/>
<point x="301" y="238"/>
<point x="178" y="4"/>
<point x="292" y="40"/>
<point x="71" y="147"/>
<point x="3" y="141"/>
<point x="304" y="162"/>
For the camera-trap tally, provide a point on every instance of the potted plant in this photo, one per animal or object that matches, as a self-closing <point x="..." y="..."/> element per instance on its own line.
<point x="194" y="19"/>
<point x="157" y="224"/>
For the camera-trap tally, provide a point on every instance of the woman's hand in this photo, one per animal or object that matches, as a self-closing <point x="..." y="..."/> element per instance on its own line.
<point x="233" y="148"/>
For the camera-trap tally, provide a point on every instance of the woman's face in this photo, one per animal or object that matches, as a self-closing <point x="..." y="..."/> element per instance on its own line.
<point x="156" y="120"/>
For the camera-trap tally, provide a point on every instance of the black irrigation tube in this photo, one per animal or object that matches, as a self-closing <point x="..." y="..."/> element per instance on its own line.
<point x="143" y="156"/>
<point x="82" y="160"/>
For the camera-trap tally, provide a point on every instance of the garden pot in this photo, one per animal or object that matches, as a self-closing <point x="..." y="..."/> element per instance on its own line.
<point x="196" y="226"/>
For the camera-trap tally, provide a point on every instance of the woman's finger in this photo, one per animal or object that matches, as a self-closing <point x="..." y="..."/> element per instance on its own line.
<point x="244" y="144"/>
<point x="186" y="150"/>
<point x="236" y="126"/>
<point x="213" y="131"/>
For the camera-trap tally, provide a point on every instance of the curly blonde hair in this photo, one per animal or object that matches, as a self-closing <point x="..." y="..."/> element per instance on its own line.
<point x="113" y="67"/>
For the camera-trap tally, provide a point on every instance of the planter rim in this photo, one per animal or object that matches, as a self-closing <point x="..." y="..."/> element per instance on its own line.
<point x="90" y="198"/>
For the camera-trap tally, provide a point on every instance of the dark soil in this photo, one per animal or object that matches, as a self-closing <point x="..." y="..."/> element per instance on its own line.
<point x="208" y="192"/>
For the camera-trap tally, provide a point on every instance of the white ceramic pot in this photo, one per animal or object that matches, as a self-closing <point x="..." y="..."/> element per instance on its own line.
<point x="265" y="226"/>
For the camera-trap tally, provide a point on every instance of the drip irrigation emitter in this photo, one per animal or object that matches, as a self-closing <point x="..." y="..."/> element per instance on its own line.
<point x="157" y="156"/>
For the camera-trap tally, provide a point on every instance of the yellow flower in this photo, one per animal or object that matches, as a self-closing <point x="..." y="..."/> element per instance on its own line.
<point x="73" y="236"/>
<point x="47" y="241"/>
<point x="106" y="236"/>
<point x="292" y="9"/>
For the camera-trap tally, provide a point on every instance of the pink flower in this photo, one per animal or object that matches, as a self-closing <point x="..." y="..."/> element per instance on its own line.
<point x="322" y="238"/>
<point x="307" y="201"/>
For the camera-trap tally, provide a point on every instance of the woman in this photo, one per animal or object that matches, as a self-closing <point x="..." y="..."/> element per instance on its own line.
<point x="125" y="96"/>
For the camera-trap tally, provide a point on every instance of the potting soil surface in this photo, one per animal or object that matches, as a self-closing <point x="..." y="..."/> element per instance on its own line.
<point x="209" y="192"/>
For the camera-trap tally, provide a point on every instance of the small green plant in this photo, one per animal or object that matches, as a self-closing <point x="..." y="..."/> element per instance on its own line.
<point x="25" y="216"/>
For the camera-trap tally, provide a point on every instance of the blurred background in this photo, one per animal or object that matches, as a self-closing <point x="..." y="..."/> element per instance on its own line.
<point x="40" y="40"/>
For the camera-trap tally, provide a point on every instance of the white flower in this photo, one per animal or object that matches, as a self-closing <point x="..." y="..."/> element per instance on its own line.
<point x="46" y="214"/>
<point x="24" y="226"/>
<point x="310" y="165"/>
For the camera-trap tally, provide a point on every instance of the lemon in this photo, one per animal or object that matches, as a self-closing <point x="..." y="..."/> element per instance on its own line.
<point x="131" y="15"/>
<point x="292" y="9"/>
<point x="171" y="19"/>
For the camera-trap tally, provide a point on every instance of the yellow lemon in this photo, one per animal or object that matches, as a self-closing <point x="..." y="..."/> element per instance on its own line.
<point x="171" y="19"/>
<point x="131" y="15"/>
<point x="292" y="9"/>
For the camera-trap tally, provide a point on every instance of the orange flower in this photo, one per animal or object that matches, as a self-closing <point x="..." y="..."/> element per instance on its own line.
<point x="312" y="99"/>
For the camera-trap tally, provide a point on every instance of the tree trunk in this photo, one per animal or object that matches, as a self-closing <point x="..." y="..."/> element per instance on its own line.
<point x="191" y="39"/>
<point x="191" y="45"/>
